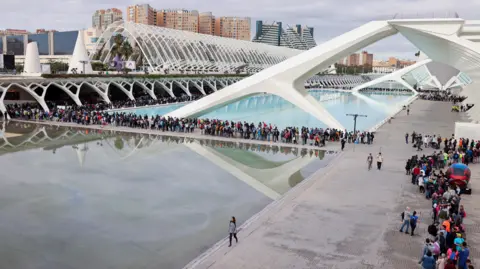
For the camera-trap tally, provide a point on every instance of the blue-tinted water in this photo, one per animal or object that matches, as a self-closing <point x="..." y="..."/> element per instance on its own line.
<point x="275" y="110"/>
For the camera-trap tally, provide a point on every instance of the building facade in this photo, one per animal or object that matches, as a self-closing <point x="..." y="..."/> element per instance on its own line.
<point x="178" y="19"/>
<point x="191" y="21"/>
<point x="233" y="27"/>
<point x="358" y="59"/>
<point x="206" y="23"/>
<point x="143" y="14"/>
<point x="103" y="18"/>
<point x="274" y="34"/>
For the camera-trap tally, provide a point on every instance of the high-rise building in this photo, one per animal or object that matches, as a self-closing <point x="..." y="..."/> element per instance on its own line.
<point x="143" y="14"/>
<point x="206" y="23"/>
<point x="365" y="58"/>
<point x="233" y="27"/>
<point x="179" y="19"/>
<point x="297" y="37"/>
<point x="101" y="19"/>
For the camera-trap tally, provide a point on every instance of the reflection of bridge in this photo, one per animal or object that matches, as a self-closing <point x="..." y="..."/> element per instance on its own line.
<point x="272" y="181"/>
<point x="268" y="177"/>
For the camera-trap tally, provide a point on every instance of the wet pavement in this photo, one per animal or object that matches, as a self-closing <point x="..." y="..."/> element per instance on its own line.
<point x="346" y="216"/>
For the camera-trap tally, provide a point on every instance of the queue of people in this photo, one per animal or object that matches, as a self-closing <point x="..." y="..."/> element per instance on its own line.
<point x="98" y="114"/>
<point x="446" y="247"/>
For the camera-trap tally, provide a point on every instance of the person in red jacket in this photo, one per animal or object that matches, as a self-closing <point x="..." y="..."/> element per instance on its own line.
<point x="415" y="174"/>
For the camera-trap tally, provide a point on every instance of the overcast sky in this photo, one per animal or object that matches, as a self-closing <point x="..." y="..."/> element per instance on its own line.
<point x="329" y="17"/>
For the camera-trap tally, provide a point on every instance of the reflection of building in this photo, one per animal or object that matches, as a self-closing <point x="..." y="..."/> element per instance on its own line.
<point x="273" y="34"/>
<point x="103" y="18"/>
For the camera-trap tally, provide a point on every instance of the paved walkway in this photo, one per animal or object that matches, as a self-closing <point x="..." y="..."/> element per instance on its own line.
<point x="330" y="146"/>
<point x="346" y="216"/>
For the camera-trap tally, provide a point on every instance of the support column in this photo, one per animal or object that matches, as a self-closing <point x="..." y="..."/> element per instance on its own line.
<point x="127" y="92"/>
<point x="168" y="89"/>
<point x="199" y="86"/>
<point x="146" y="89"/>
<point x="98" y="86"/>
<point x="3" y="108"/>
<point x="75" y="97"/>
<point x="184" y="86"/>
<point x="213" y="86"/>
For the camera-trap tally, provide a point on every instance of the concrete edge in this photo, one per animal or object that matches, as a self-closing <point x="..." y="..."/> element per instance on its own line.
<point x="289" y="195"/>
<point x="333" y="146"/>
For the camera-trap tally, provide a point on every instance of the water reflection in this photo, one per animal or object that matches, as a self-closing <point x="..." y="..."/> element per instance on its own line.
<point x="79" y="198"/>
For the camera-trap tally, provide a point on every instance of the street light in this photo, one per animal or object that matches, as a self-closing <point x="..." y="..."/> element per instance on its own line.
<point x="84" y="62"/>
<point x="355" y="116"/>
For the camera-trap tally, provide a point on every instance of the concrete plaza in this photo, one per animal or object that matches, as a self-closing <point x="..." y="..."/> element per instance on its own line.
<point x="346" y="216"/>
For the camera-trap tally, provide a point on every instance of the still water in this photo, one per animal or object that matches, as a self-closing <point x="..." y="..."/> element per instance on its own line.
<point x="79" y="198"/>
<point x="278" y="111"/>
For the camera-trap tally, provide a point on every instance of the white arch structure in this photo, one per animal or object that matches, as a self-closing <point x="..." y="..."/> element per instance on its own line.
<point x="442" y="40"/>
<point x="396" y="76"/>
<point x="164" y="48"/>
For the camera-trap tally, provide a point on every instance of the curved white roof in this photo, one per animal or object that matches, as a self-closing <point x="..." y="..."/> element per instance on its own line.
<point x="164" y="48"/>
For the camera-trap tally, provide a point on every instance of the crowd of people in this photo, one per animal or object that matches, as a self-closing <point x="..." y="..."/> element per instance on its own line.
<point x="98" y="114"/>
<point x="446" y="247"/>
<point x="146" y="100"/>
<point x="444" y="96"/>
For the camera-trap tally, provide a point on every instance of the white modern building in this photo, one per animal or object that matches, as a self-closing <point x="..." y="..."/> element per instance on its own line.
<point x="159" y="49"/>
<point x="452" y="41"/>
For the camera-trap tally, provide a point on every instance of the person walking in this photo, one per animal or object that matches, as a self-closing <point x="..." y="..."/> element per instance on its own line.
<point x="379" y="160"/>
<point x="405" y="220"/>
<point x="406" y="138"/>
<point x="232" y="230"/>
<point x="369" y="161"/>
<point x="343" y="143"/>
<point x="413" y="221"/>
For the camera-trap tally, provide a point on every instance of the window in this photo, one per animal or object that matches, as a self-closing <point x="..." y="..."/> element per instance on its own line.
<point x="64" y="42"/>
<point x="42" y="43"/>
<point x="15" y="45"/>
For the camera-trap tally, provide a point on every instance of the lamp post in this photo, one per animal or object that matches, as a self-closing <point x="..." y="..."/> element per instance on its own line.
<point x="83" y="62"/>
<point x="355" y="116"/>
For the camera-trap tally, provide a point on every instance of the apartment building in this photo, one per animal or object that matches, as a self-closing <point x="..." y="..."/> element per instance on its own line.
<point x="233" y="27"/>
<point x="102" y="18"/>
<point x="179" y="19"/>
<point x="143" y="14"/>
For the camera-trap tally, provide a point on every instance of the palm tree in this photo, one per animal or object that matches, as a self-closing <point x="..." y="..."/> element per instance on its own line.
<point x="117" y="46"/>
<point x="126" y="50"/>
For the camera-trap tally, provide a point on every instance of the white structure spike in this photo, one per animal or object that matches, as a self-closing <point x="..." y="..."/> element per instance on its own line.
<point x="80" y="59"/>
<point x="32" y="60"/>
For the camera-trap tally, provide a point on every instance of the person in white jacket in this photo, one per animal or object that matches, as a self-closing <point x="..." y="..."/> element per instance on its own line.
<point x="232" y="230"/>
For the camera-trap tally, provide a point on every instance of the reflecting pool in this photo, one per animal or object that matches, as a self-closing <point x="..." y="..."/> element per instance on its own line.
<point x="79" y="198"/>
<point x="278" y="111"/>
